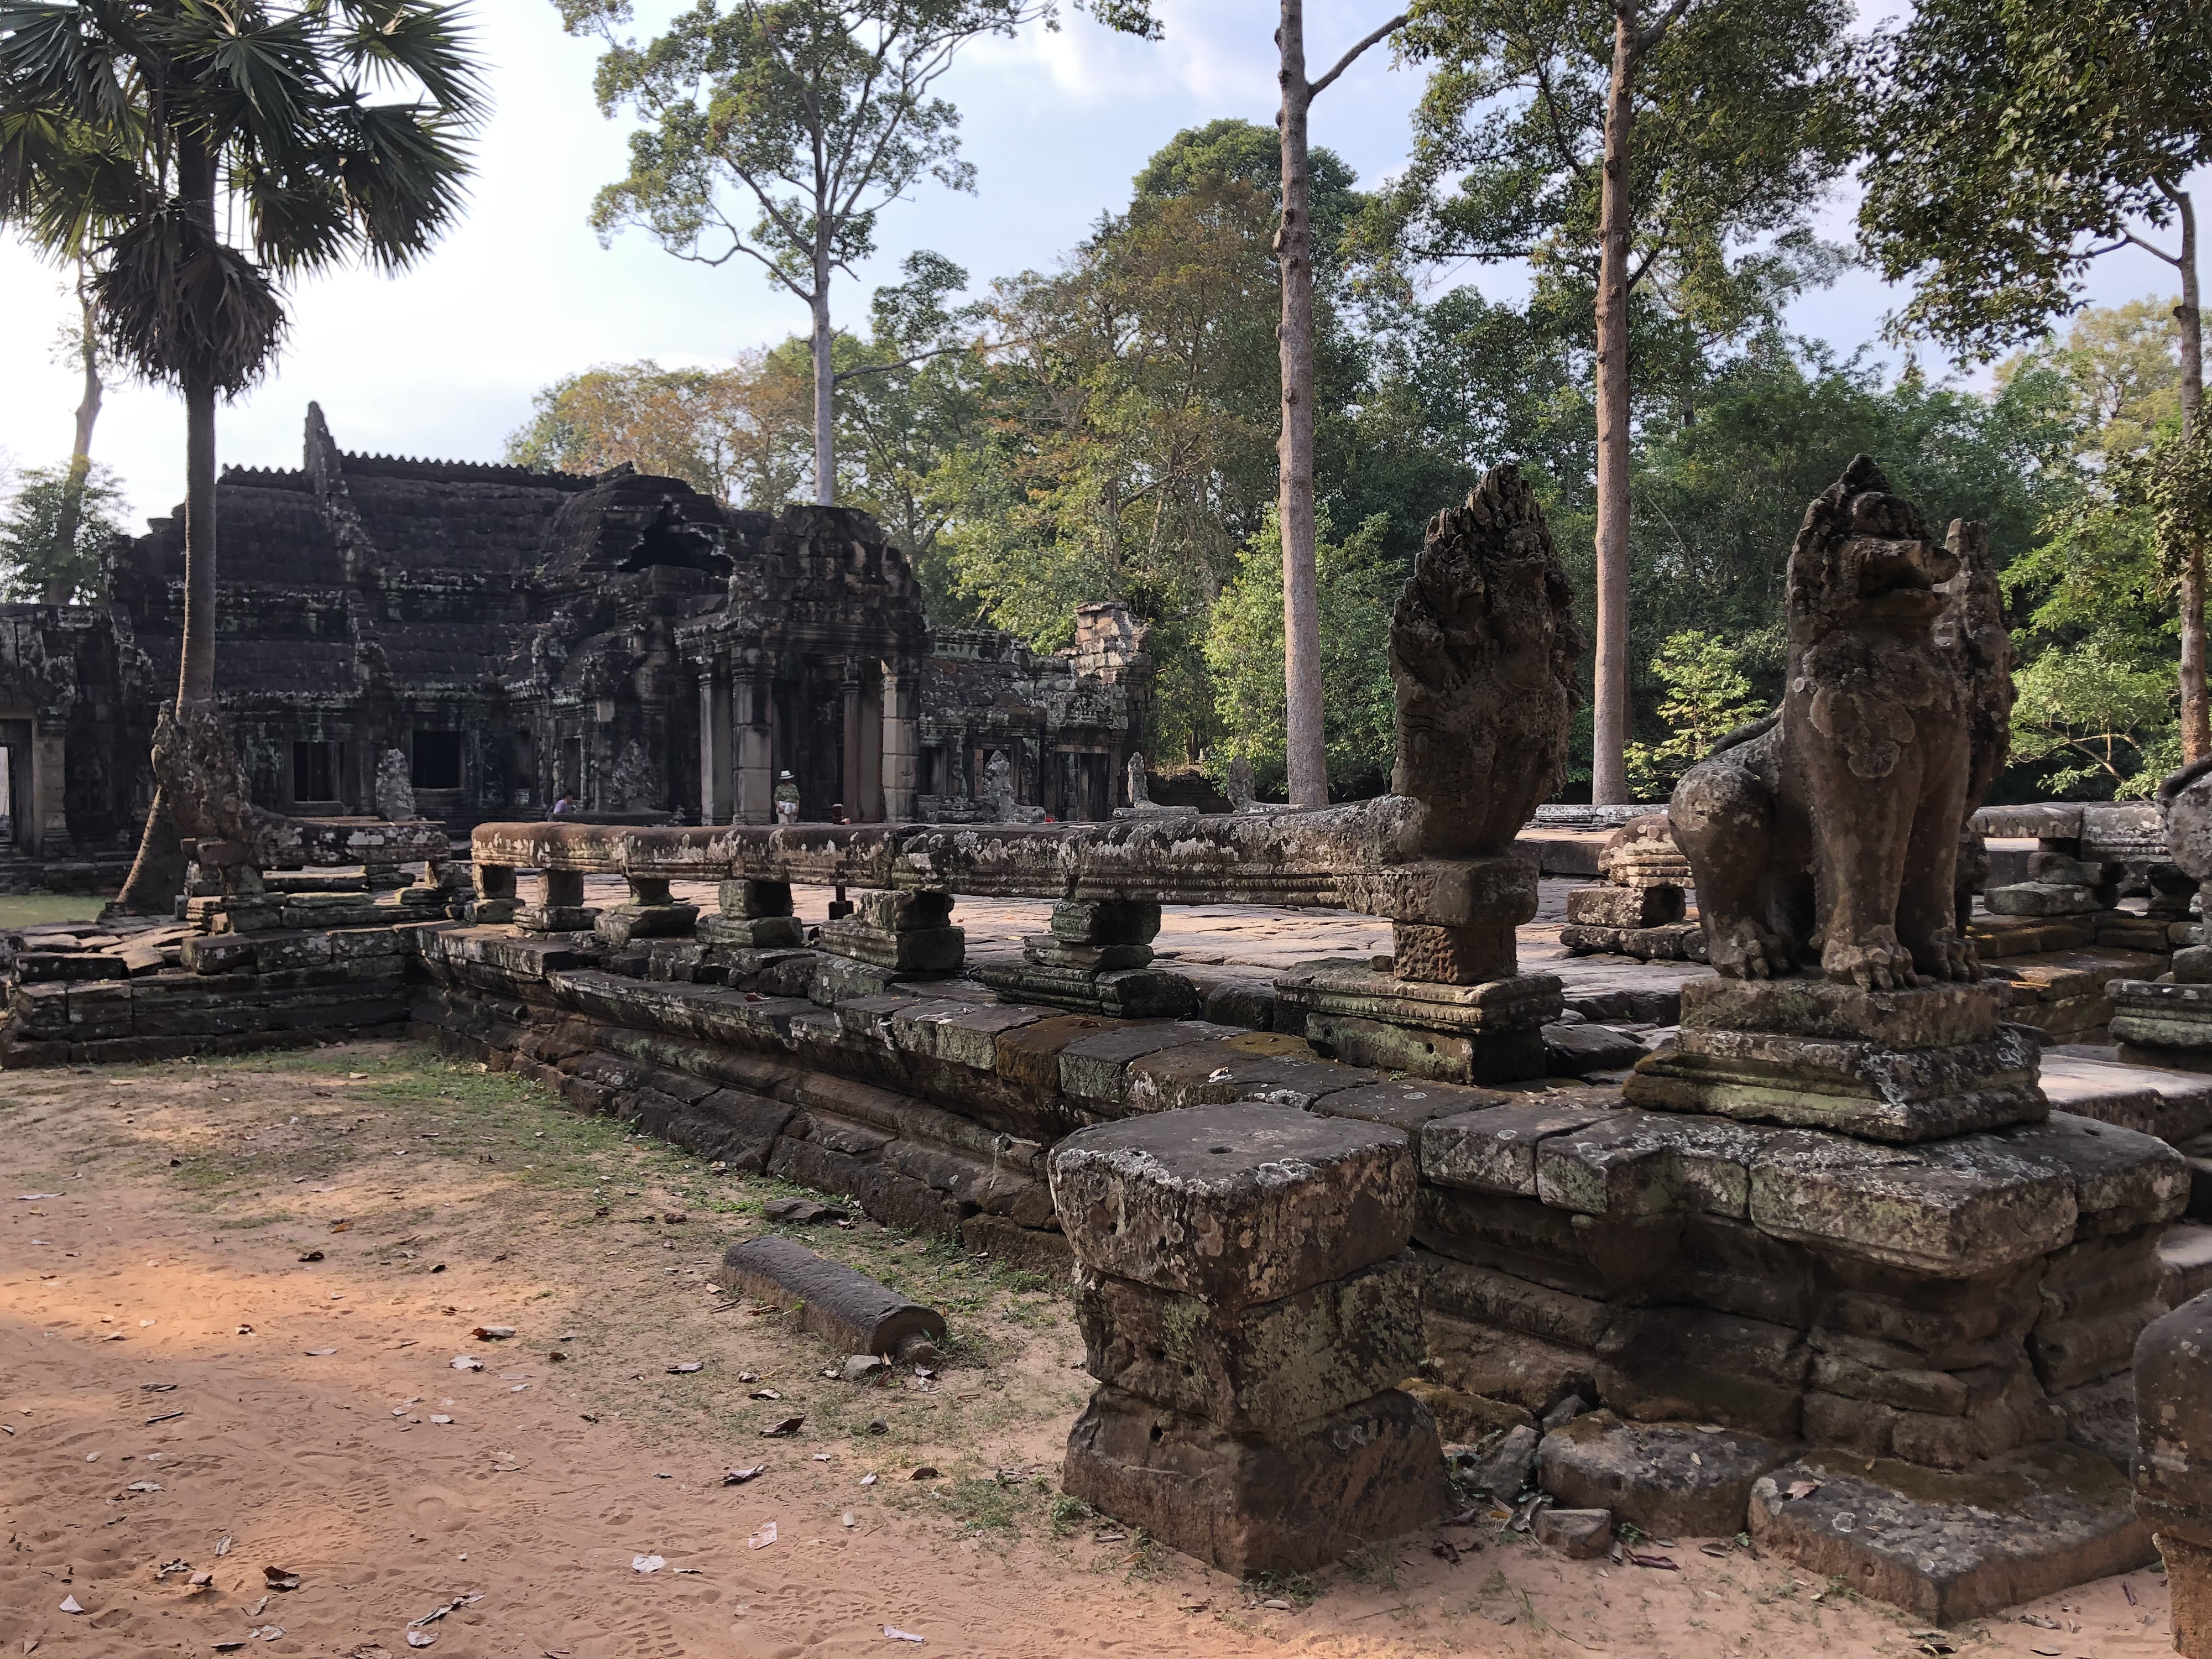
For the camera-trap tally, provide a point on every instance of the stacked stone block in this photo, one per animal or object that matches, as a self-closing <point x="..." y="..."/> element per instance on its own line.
<point x="1640" y="908"/>
<point x="1097" y="959"/>
<point x="894" y="935"/>
<point x="1248" y="1313"/>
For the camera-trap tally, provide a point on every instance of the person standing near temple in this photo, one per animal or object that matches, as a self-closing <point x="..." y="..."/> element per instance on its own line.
<point x="786" y="799"/>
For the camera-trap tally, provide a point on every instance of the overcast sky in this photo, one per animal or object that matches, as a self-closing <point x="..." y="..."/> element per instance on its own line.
<point x="442" y="361"/>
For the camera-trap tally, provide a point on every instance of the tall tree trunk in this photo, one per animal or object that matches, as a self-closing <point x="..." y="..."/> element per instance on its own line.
<point x="2195" y="715"/>
<point x="1609" y="734"/>
<point x="60" y="590"/>
<point x="1305" y="746"/>
<point x="825" y="393"/>
<point x="156" y="872"/>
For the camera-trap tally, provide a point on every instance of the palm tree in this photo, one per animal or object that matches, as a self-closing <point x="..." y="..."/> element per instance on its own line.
<point x="145" y="135"/>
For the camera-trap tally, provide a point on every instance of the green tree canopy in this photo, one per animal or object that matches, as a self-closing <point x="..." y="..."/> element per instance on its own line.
<point x="50" y="545"/>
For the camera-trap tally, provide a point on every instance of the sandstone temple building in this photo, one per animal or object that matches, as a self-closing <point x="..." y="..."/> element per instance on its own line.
<point x="623" y="640"/>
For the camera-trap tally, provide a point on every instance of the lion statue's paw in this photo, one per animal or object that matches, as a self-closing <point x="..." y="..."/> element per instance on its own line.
<point x="1747" y="950"/>
<point x="1877" y="963"/>
<point x="1946" y="956"/>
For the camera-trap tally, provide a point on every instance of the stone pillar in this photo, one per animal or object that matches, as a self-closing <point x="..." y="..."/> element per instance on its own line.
<point x="902" y="750"/>
<point x="849" y="786"/>
<point x="561" y="910"/>
<point x="1248" y="1310"/>
<point x="715" y="800"/>
<point x="871" y="807"/>
<point x="47" y="808"/>
<point x="495" y="894"/>
<point x="891" y="936"/>
<point x="756" y="751"/>
<point x="755" y="915"/>
<point x="1096" y="960"/>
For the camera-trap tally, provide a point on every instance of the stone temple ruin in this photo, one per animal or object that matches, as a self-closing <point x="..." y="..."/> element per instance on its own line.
<point x="515" y="636"/>
<point x="1850" y="1259"/>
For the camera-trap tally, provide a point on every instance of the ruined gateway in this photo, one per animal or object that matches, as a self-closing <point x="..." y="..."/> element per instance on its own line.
<point x="623" y="640"/>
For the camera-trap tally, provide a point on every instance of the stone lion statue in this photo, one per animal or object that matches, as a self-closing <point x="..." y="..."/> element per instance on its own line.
<point x="1830" y="831"/>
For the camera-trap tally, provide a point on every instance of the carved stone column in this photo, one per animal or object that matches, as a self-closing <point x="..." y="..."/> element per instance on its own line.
<point x="756" y="749"/>
<point x="715" y="795"/>
<point x="902" y="700"/>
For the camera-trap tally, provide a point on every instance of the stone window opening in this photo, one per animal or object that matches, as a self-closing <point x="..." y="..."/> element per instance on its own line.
<point x="436" y="762"/>
<point x="317" y="766"/>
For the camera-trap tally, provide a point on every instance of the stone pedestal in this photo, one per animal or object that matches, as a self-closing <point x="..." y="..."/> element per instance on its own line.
<point x="652" y="913"/>
<point x="1490" y="1032"/>
<point x="1245" y="1306"/>
<point x="497" y="901"/>
<point x="754" y="914"/>
<point x="908" y="933"/>
<point x="561" y="910"/>
<point x="1897" y="1066"/>
<point x="2167" y="1022"/>
<point x="1645" y="921"/>
<point x="1096" y="960"/>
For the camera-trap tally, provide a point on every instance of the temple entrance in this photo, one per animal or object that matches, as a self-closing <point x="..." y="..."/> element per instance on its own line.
<point x="19" y="818"/>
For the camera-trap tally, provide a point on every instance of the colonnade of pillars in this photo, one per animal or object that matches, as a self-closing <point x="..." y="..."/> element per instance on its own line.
<point x="737" y="745"/>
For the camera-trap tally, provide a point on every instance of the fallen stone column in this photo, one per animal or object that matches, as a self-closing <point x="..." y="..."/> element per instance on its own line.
<point x="1248" y="1312"/>
<point x="847" y="1308"/>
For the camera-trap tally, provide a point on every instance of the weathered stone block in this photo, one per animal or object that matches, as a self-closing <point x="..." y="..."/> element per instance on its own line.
<point x="1654" y="906"/>
<point x="1473" y="954"/>
<point x="627" y="922"/>
<point x="1665" y="1477"/>
<point x="1864" y="1089"/>
<point x="2040" y="898"/>
<point x="1407" y="1105"/>
<point x="1953" y="1547"/>
<point x="1364" y="1474"/>
<point x="1494" y="1149"/>
<point x="1499" y="1365"/>
<point x="217" y="953"/>
<point x="1926" y="1016"/>
<point x="1646" y="1164"/>
<point x="959" y="1033"/>
<point x="1109" y="993"/>
<point x="1266" y="1369"/>
<point x="1491" y="1296"/>
<point x="1252" y="1066"/>
<point x="2189" y="1586"/>
<point x="1094" y="1064"/>
<point x="1234" y="1204"/>
<point x="1952" y="1208"/>
<point x="1047" y="951"/>
<point x="1686" y="1365"/>
<point x="905" y="911"/>
<point x="754" y="901"/>
<point x="1105" y="922"/>
<point x="1584" y="1050"/>
<point x="42" y="1009"/>
<point x="1579" y="1535"/>
<point x="98" y="1009"/>
<point x="916" y="950"/>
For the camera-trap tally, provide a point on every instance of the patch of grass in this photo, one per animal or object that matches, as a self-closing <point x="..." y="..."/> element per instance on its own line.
<point x="1300" y="1589"/>
<point x="1067" y="1514"/>
<point x="36" y="910"/>
<point x="989" y="1504"/>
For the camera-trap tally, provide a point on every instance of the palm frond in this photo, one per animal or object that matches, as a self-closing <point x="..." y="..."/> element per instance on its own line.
<point x="388" y="39"/>
<point x="175" y="303"/>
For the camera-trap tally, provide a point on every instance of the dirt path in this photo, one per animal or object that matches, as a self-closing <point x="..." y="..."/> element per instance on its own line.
<point x="178" y="1383"/>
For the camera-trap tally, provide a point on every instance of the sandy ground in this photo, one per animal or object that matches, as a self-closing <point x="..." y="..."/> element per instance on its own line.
<point x="232" y="1295"/>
